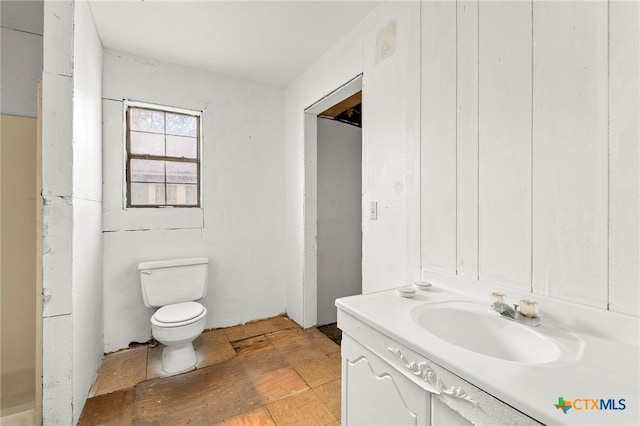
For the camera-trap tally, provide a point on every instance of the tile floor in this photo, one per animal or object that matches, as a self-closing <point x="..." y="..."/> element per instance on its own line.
<point x="268" y="372"/>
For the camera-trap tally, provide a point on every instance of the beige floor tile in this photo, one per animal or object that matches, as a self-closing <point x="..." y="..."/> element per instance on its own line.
<point x="283" y="337"/>
<point x="154" y="363"/>
<point x="278" y="384"/>
<point x="330" y="394"/>
<point x="276" y="324"/>
<point x="204" y="396"/>
<point x="321" y="341"/>
<point x="259" y="417"/>
<point x="318" y="371"/>
<point x="302" y="409"/>
<point x="115" y="408"/>
<point x="242" y="368"/>
<point x="251" y="345"/>
<point x="258" y="363"/>
<point x="120" y="370"/>
<point x="213" y="347"/>
<point x="244" y="331"/>
<point x="294" y="346"/>
<point x="300" y="355"/>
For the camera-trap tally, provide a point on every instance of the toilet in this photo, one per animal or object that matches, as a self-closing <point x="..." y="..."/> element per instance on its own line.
<point x="174" y="286"/>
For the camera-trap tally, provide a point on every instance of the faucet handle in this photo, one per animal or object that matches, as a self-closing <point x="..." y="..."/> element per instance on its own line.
<point x="497" y="297"/>
<point x="529" y="308"/>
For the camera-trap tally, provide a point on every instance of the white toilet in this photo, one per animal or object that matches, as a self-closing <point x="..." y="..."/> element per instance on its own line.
<point x="174" y="286"/>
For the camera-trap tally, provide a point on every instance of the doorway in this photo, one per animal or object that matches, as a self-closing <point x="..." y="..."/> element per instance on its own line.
<point x="333" y="202"/>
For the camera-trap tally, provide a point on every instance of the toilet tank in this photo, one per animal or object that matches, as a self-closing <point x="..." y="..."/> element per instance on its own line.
<point x="170" y="281"/>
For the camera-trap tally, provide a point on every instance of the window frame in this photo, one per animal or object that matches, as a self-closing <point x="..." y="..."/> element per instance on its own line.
<point x="128" y="156"/>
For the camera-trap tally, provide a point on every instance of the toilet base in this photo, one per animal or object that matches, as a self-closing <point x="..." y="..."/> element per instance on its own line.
<point x="179" y="360"/>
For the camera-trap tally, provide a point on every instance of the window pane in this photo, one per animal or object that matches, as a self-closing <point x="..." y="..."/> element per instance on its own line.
<point x="172" y="194"/>
<point x="146" y="120"/>
<point x="147" y="143"/>
<point x="172" y="140"/>
<point x="180" y="124"/>
<point x="185" y="195"/>
<point x="182" y="172"/>
<point x="147" y="193"/>
<point x="147" y="171"/>
<point x="160" y="193"/>
<point x="182" y="146"/>
<point x="191" y="195"/>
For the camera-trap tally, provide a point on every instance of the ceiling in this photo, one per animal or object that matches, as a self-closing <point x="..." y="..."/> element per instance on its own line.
<point x="270" y="42"/>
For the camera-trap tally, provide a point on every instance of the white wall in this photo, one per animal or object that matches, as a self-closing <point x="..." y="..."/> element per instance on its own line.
<point x="21" y="56"/>
<point x="57" y="154"/>
<point x="338" y="66"/>
<point x="438" y="131"/>
<point x="87" y="299"/>
<point x="624" y="157"/>
<point x="339" y="215"/>
<point x="240" y="227"/>
<point x="390" y="148"/>
<point x="72" y="214"/>
<point x="530" y="147"/>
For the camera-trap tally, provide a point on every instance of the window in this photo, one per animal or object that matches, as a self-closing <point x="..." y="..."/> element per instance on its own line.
<point x="163" y="157"/>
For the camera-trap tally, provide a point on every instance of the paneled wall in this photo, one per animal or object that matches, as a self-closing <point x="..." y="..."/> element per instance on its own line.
<point x="570" y="115"/>
<point x="390" y="132"/>
<point x="624" y="156"/>
<point x="529" y="147"/>
<point x="504" y="143"/>
<point x="438" y="137"/>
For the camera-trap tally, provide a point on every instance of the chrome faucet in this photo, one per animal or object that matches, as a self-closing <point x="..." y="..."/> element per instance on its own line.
<point x="513" y="313"/>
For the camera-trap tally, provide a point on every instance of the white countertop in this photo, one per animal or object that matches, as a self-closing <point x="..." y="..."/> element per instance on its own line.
<point x="607" y="367"/>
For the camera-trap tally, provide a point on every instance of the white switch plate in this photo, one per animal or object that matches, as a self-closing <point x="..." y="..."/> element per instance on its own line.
<point x="373" y="211"/>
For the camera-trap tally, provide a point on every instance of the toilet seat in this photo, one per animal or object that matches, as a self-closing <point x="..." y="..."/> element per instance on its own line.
<point x="178" y="314"/>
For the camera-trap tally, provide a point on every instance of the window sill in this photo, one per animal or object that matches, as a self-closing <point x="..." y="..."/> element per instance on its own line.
<point x="141" y="219"/>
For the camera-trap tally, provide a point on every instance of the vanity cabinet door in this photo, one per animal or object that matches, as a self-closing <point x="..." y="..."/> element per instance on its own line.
<point x="442" y="415"/>
<point x="374" y="393"/>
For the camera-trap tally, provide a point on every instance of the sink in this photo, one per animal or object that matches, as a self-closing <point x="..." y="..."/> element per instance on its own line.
<point x="475" y="327"/>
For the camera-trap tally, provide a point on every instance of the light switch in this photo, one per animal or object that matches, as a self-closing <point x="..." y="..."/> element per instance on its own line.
<point x="373" y="211"/>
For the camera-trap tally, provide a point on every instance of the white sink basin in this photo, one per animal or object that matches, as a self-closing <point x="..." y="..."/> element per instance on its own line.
<point x="474" y="327"/>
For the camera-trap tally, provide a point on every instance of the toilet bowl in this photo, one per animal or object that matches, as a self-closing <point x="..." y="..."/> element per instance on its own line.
<point x="176" y="326"/>
<point x="173" y="286"/>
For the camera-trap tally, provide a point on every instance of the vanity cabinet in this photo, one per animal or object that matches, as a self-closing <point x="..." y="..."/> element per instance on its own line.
<point x="442" y="415"/>
<point x="386" y="383"/>
<point x="374" y="394"/>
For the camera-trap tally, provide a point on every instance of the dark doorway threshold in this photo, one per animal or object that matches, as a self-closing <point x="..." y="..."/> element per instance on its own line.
<point x="332" y="332"/>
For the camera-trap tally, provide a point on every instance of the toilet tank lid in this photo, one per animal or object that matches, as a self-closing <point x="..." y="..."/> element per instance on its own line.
<point x="169" y="263"/>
